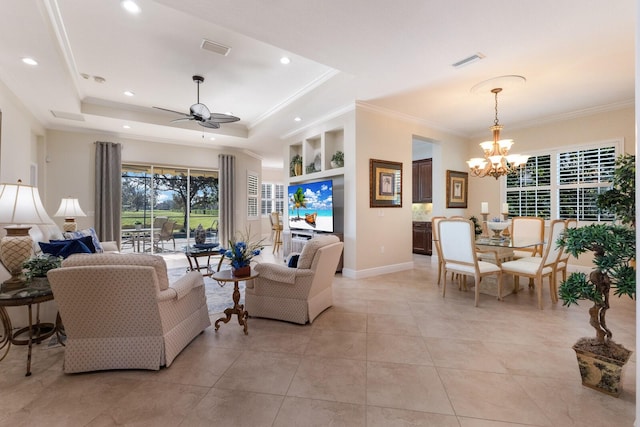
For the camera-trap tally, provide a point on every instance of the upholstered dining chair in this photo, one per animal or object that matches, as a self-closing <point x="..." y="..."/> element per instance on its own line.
<point x="563" y="261"/>
<point x="457" y="243"/>
<point x="527" y="229"/>
<point x="436" y="243"/>
<point x="537" y="268"/>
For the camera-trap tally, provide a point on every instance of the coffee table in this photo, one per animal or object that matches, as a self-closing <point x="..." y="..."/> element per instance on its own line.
<point x="223" y="277"/>
<point x="35" y="332"/>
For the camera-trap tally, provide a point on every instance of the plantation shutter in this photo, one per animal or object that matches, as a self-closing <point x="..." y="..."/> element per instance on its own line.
<point x="252" y="195"/>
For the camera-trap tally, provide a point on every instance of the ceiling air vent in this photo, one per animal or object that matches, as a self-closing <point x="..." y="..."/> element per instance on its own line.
<point x="215" y="47"/>
<point x="466" y="61"/>
<point x="68" y="116"/>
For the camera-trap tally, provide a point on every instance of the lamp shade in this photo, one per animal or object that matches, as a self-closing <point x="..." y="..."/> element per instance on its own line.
<point x="21" y="204"/>
<point x="69" y="208"/>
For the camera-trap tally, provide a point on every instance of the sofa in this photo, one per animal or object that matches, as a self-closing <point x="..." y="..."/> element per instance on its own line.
<point x="120" y="311"/>
<point x="296" y="294"/>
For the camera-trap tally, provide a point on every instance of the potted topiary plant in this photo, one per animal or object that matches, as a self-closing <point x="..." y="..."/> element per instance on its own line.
<point x="337" y="160"/>
<point x="614" y="246"/>
<point x="37" y="268"/>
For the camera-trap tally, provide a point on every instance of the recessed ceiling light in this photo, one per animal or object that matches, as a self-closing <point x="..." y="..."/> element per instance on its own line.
<point x="29" y="61"/>
<point x="126" y="126"/>
<point x="212" y="138"/>
<point x="130" y="6"/>
<point x="297" y="119"/>
<point x="128" y="93"/>
<point x="285" y="60"/>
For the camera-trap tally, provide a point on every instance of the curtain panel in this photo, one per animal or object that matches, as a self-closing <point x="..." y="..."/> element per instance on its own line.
<point x="108" y="191"/>
<point x="227" y="200"/>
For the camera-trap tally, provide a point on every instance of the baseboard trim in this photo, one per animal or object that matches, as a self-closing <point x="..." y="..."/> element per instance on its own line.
<point x="377" y="271"/>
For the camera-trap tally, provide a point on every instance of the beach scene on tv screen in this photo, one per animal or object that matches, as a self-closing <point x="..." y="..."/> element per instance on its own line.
<point x="311" y="206"/>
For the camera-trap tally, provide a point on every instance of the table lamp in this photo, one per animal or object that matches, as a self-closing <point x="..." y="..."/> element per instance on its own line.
<point x="19" y="205"/>
<point x="69" y="209"/>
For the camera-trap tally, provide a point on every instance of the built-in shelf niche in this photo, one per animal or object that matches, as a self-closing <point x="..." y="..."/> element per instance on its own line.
<point x="316" y="152"/>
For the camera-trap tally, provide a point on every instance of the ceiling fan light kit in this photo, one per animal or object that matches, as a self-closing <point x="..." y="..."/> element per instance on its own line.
<point x="200" y="113"/>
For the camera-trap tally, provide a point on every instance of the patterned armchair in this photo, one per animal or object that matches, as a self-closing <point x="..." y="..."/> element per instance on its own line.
<point x="120" y="312"/>
<point x="296" y="294"/>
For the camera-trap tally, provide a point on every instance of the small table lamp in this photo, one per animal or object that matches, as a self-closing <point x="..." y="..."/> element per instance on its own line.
<point x="19" y="205"/>
<point x="70" y="209"/>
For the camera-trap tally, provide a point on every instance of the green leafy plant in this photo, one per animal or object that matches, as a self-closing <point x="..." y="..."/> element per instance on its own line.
<point x="477" y="227"/>
<point x="620" y="200"/>
<point x="38" y="266"/>
<point x="338" y="158"/>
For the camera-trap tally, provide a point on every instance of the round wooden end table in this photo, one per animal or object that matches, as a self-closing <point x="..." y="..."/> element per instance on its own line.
<point x="223" y="277"/>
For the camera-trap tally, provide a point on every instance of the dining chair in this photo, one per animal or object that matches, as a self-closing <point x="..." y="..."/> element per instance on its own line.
<point x="563" y="261"/>
<point x="436" y="242"/>
<point x="457" y="243"/>
<point x="537" y="268"/>
<point x="527" y="229"/>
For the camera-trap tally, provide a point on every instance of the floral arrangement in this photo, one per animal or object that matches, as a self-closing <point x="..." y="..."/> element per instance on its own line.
<point x="241" y="251"/>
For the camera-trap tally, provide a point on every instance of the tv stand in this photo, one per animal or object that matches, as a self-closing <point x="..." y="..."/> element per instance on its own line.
<point x="294" y="240"/>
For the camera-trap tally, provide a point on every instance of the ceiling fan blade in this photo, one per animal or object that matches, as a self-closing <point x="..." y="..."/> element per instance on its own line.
<point x="209" y="124"/>
<point x="172" y="111"/>
<point x="182" y="119"/>
<point x="223" y="118"/>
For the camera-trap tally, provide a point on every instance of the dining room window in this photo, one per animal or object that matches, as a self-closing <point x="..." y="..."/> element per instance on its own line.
<point x="564" y="183"/>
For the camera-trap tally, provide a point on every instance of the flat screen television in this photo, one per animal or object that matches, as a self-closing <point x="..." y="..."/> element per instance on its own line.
<point x="311" y="206"/>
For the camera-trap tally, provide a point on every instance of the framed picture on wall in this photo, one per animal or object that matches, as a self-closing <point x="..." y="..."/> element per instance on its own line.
<point x="385" y="184"/>
<point x="457" y="189"/>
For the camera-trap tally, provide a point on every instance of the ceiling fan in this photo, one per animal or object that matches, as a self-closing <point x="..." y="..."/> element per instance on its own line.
<point x="201" y="114"/>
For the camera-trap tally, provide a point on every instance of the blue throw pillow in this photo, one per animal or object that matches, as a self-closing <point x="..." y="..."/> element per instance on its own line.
<point x="64" y="248"/>
<point x="86" y="232"/>
<point x="293" y="261"/>
<point x="86" y="240"/>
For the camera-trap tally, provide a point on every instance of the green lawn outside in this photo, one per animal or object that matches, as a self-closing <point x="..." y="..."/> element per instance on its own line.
<point x="129" y="218"/>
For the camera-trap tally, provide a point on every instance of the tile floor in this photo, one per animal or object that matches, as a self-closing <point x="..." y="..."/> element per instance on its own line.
<point x="390" y="352"/>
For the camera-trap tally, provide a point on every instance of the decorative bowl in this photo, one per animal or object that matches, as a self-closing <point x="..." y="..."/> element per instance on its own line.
<point x="497" y="227"/>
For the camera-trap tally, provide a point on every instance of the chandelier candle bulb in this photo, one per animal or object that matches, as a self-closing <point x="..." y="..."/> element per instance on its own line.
<point x="484" y="207"/>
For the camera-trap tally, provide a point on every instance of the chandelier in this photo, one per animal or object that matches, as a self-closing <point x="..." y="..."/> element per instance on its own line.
<point x="497" y="161"/>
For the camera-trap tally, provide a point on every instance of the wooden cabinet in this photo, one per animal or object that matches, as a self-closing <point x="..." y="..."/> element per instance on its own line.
<point x="422" y="238"/>
<point x="422" y="187"/>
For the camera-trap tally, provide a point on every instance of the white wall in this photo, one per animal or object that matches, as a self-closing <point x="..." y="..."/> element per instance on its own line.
<point x="71" y="164"/>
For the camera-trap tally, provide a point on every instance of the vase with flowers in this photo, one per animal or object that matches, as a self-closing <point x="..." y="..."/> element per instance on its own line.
<point x="240" y="252"/>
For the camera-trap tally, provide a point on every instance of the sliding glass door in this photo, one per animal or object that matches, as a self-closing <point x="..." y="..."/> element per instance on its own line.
<point x="163" y="207"/>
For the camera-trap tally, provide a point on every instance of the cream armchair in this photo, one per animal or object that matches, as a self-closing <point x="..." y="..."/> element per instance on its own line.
<point x="296" y="294"/>
<point x="120" y="312"/>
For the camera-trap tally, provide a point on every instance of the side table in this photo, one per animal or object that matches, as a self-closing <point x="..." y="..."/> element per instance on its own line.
<point x="193" y="253"/>
<point x="223" y="277"/>
<point x="35" y="332"/>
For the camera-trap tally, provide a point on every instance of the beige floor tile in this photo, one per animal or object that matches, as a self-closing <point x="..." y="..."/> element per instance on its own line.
<point x="392" y="324"/>
<point x="318" y="413"/>
<point x="568" y="403"/>
<point x="339" y="380"/>
<point x="341" y="321"/>
<point x="404" y="386"/>
<point x="278" y="342"/>
<point x="397" y="349"/>
<point x="463" y="354"/>
<point x="388" y="417"/>
<point x="490" y="396"/>
<point x="559" y="362"/>
<point x="328" y="343"/>
<point x="261" y="372"/>
<point x="476" y="422"/>
<point x="150" y="405"/>
<point x="234" y="408"/>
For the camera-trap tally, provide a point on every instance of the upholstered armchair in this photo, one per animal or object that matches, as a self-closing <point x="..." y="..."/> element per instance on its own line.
<point x="120" y="312"/>
<point x="296" y="294"/>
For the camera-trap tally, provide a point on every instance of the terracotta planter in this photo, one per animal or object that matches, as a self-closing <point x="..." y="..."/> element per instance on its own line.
<point x="599" y="372"/>
<point x="242" y="271"/>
